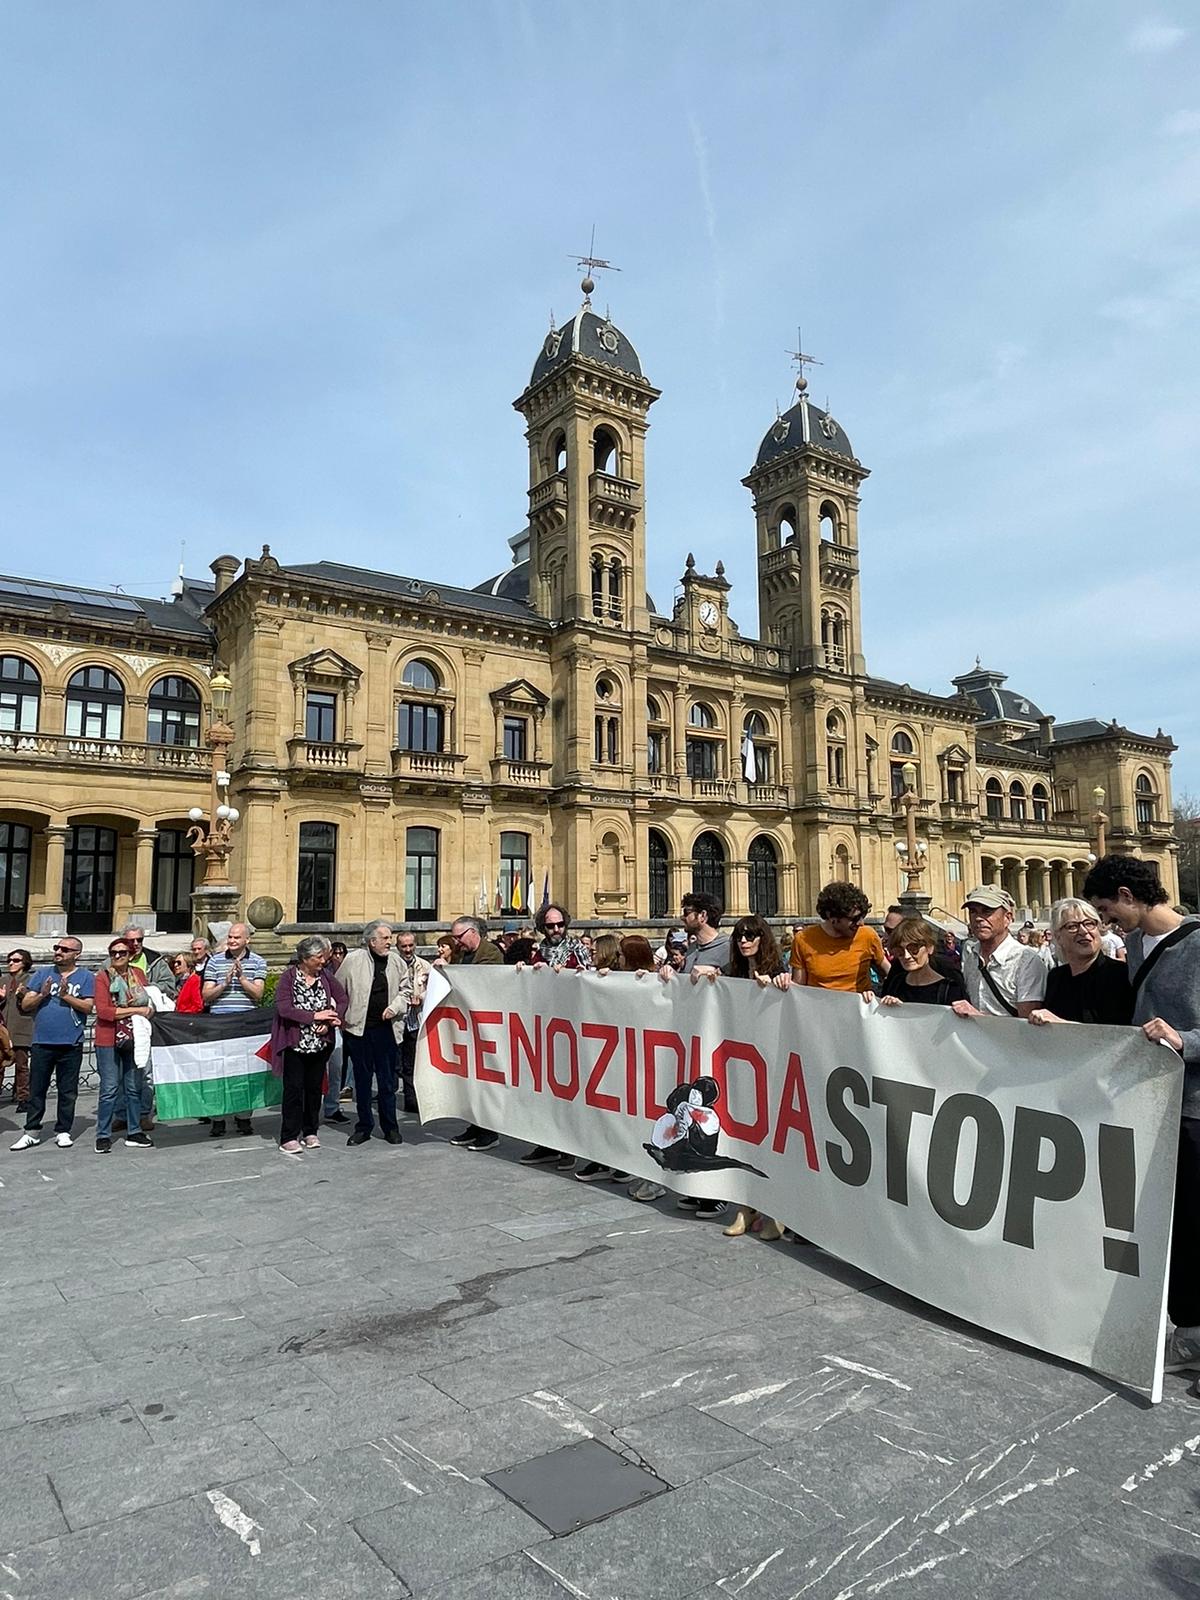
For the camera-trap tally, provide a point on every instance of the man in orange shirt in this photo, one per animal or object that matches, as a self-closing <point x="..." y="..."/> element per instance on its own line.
<point x="839" y="952"/>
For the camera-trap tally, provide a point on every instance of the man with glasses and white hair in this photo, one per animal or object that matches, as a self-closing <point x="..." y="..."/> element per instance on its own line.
<point x="61" y="999"/>
<point x="377" y="994"/>
<point x="1003" y="978"/>
<point x="1088" y="986"/>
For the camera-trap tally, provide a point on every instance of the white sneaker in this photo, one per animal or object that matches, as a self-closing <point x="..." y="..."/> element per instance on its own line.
<point x="64" y="1141"/>
<point x="647" y="1190"/>
<point x="26" y="1142"/>
<point x="1181" y="1353"/>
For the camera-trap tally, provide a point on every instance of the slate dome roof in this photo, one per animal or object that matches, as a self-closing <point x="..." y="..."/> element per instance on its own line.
<point x="804" y="424"/>
<point x="597" y="338"/>
<point x="513" y="584"/>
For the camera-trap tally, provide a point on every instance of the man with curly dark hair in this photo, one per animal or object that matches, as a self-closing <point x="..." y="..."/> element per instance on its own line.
<point x="1162" y="953"/>
<point x="839" y="951"/>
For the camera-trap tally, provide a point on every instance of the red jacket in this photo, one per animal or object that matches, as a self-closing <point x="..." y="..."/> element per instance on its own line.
<point x="190" y="998"/>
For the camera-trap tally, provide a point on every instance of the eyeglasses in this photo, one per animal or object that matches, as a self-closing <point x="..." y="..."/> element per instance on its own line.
<point x="748" y="938"/>
<point x="64" y="949"/>
<point x="913" y="949"/>
<point x="11" y="959"/>
<point x="1078" y="927"/>
<point x="551" y="927"/>
<point x="120" y="952"/>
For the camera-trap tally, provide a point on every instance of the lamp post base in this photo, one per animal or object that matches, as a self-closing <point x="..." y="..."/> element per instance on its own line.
<point x="214" y="903"/>
<point x="914" y="904"/>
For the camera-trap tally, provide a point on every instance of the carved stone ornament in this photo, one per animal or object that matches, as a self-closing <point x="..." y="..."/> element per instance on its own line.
<point x="827" y="426"/>
<point x="781" y="430"/>
<point x="608" y="339"/>
<point x="140" y="664"/>
<point x="58" y="653"/>
<point x="552" y="345"/>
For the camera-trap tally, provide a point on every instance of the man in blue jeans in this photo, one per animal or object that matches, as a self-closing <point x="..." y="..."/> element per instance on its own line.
<point x="61" y="997"/>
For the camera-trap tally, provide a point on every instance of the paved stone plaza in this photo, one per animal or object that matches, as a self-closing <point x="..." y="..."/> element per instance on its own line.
<point x="230" y="1372"/>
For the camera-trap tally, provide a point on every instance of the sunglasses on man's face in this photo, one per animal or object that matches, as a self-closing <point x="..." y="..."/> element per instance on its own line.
<point x="552" y="927"/>
<point x="64" y="949"/>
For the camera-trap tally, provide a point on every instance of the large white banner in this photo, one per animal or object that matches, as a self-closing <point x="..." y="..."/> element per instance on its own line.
<point x="1018" y="1177"/>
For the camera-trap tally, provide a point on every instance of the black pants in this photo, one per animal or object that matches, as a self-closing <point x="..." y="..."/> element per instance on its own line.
<point x="408" y="1060"/>
<point x="62" y="1061"/>
<point x="373" y="1055"/>
<point x="1183" y="1282"/>
<point x="303" y="1075"/>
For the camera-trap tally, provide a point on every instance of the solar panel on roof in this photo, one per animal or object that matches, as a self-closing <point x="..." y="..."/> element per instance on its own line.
<point x="33" y="590"/>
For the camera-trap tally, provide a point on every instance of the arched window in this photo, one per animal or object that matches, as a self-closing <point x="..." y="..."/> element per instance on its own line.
<point x="835" y="750"/>
<point x="317" y="874"/>
<point x="831" y="523"/>
<point x="764" y="877"/>
<point x="903" y="751"/>
<point x="1041" y="803"/>
<point x="609" y="864"/>
<point x="708" y="867"/>
<point x="841" y="864"/>
<point x="174" y="713"/>
<point x="607" y="749"/>
<point x="420" y="675"/>
<point x="614" y="589"/>
<point x="16" y="853"/>
<point x="1016" y="801"/>
<point x="658" y="857"/>
<point x="597" y="585"/>
<point x="95" y="705"/>
<point x="421" y="874"/>
<point x="993" y="798"/>
<point x="833" y="638"/>
<point x="703" y="756"/>
<point x="656" y="738"/>
<point x="20" y="695"/>
<point x="606" y="453"/>
<point x="787" y="525"/>
<point x="1145" y="800"/>
<point x="421" y="723"/>
<point x="556" y="457"/>
<point x="758" y="750"/>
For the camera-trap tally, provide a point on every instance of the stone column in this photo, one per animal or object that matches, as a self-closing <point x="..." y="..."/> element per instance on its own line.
<point x="142" y="909"/>
<point x="1022" y="885"/>
<point x="679" y="729"/>
<point x="52" y="918"/>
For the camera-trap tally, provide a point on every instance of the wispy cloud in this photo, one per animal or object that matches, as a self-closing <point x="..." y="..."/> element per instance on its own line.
<point x="1182" y="124"/>
<point x="1154" y="37"/>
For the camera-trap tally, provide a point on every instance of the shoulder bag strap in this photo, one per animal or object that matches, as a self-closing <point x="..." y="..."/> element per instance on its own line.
<point x="995" y="988"/>
<point x="1175" y="937"/>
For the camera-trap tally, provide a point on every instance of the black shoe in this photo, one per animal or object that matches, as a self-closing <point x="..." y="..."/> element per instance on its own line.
<point x="467" y="1136"/>
<point x="710" y="1208"/>
<point x="139" y="1141"/>
<point x="21" y="1108"/>
<point x="217" y="1131"/>
<point x="593" y="1172"/>
<point x="539" y="1156"/>
<point x="103" y="1146"/>
<point x="358" y="1137"/>
<point x="394" y="1136"/>
<point x="686" y="1202"/>
<point x="618" y="1177"/>
<point x="244" y="1125"/>
<point x="564" y="1163"/>
<point x="204" y="1121"/>
<point x="337" y="1116"/>
<point x="486" y="1140"/>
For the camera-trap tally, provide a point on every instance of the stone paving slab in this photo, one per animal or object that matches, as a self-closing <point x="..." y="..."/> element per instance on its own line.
<point x="287" y="1377"/>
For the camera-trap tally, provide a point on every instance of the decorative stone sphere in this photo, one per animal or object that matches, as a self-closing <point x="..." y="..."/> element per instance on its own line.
<point x="264" y="913"/>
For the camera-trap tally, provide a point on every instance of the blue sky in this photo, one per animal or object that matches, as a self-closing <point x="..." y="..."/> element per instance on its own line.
<point x="274" y="273"/>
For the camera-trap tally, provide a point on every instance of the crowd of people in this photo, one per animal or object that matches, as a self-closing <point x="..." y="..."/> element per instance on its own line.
<point x="345" y="1022"/>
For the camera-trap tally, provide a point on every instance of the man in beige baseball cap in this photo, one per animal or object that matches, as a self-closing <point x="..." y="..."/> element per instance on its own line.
<point x="1003" y="977"/>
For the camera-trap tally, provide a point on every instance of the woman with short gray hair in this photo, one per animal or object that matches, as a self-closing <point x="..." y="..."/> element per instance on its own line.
<point x="309" y="1007"/>
<point x="1089" y="986"/>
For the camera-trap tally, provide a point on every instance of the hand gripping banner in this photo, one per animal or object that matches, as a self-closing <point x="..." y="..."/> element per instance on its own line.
<point x="1020" y="1178"/>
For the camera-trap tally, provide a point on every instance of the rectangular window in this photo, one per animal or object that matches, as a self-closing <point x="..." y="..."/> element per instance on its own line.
<point x="701" y="758"/>
<point x="764" y="765"/>
<point x="606" y="749"/>
<point x="1041" y="809"/>
<point x="317" y="875"/>
<point x="421" y="875"/>
<point x="514" y="868"/>
<point x="515" y="739"/>
<point x="954" y="785"/>
<point x="420" y="727"/>
<point x="954" y="867"/>
<point x="18" y="712"/>
<point x="320" y="718"/>
<point x="655" y="752"/>
<point x="93" y="719"/>
<point x="1017" y="804"/>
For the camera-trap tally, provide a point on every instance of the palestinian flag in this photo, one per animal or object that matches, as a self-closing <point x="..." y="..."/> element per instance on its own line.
<point x="213" y="1066"/>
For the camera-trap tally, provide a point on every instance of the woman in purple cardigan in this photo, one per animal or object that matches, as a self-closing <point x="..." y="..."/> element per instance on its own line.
<point x="309" y="1006"/>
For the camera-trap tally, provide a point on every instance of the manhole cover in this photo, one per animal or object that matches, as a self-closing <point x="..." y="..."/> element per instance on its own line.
<point x="574" y="1486"/>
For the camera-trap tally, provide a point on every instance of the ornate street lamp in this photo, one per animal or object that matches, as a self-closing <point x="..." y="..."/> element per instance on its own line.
<point x="913" y="852"/>
<point x="1099" y="819"/>
<point x="212" y="840"/>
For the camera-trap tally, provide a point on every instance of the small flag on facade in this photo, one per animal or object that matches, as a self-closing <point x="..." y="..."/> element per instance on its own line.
<point x="545" y="891"/>
<point x="516" y="894"/>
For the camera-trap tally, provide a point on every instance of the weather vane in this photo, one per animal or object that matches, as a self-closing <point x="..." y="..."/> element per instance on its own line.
<point x="587" y="265"/>
<point x="801" y="361"/>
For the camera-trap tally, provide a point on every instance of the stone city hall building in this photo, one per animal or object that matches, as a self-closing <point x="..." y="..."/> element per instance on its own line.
<point x="408" y="748"/>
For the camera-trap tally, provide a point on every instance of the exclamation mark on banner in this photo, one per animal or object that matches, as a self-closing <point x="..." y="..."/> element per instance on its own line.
<point x="1118" y="1181"/>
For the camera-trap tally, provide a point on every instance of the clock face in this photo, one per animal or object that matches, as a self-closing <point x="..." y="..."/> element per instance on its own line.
<point x="709" y="614"/>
